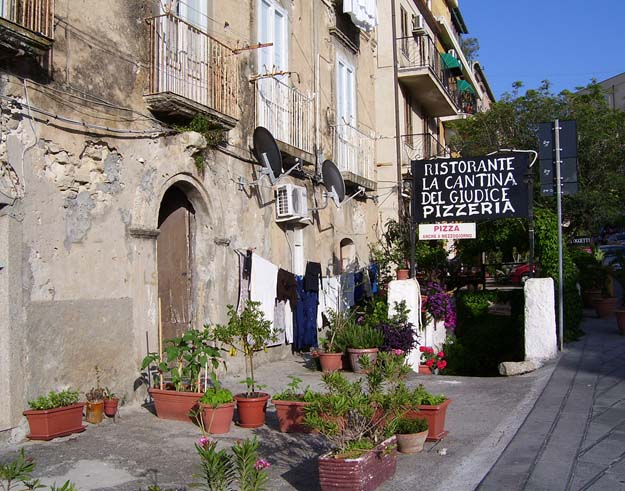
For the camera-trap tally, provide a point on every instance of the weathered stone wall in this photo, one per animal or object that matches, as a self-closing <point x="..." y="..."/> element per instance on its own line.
<point x="79" y="208"/>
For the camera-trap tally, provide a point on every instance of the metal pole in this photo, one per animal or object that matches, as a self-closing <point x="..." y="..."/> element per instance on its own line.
<point x="556" y="128"/>
<point x="413" y="239"/>
<point x="400" y="203"/>
<point x="530" y="217"/>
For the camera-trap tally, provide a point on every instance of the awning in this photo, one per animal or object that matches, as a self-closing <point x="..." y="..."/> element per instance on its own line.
<point x="452" y="64"/>
<point x="464" y="86"/>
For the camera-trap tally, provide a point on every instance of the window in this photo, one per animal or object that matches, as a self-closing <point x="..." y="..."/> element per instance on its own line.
<point x="194" y="12"/>
<point x="403" y="29"/>
<point x="272" y="28"/>
<point x="345" y="94"/>
<point x="408" y="119"/>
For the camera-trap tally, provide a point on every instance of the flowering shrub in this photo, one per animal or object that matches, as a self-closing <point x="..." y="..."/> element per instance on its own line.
<point x="398" y="333"/>
<point x="440" y="304"/>
<point x="434" y="360"/>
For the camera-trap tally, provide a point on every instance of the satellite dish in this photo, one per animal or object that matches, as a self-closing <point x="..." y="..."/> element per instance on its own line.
<point x="333" y="181"/>
<point x="267" y="153"/>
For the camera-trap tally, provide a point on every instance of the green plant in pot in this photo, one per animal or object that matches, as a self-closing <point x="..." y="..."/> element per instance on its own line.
<point x="178" y="381"/>
<point x="362" y="341"/>
<point x="333" y="346"/>
<point x="54" y="415"/>
<point x="419" y="403"/>
<point x="217" y="408"/>
<point x="290" y="405"/>
<point x="111" y="402"/>
<point x="411" y="434"/>
<point x="354" y="416"/>
<point x="247" y="333"/>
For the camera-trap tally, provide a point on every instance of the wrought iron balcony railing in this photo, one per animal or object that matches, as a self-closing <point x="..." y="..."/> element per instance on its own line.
<point x="35" y="15"/>
<point x="354" y="151"/>
<point x="421" y="146"/>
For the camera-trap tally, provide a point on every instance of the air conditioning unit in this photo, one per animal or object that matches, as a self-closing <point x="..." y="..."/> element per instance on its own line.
<point x="453" y="53"/>
<point x="291" y="203"/>
<point x="417" y="24"/>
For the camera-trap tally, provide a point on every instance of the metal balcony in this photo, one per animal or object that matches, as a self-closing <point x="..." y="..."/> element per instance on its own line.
<point x="288" y="114"/>
<point x="354" y="153"/>
<point x="421" y="146"/>
<point x="26" y="26"/>
<point x="421" y="71"/>
<point x="191" y="72"/>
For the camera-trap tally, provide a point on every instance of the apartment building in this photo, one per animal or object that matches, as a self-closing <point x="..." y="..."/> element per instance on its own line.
<point x="422" y="68"/>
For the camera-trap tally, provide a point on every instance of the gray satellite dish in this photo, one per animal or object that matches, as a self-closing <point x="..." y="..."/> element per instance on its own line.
<point x="333" y="181"/>
<point x="267" y="153"/>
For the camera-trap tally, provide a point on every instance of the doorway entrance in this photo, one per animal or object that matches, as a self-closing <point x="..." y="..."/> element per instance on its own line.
<point x="174" y="261"/>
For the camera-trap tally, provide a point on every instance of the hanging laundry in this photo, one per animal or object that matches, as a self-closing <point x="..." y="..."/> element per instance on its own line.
<point x="363" y="13"/>
<point x="263" y="285"/>
<point x="305" y="328"/>
<point x="244" y="281"/>
<point x="359" y="291"/>
<point x="328" y="298"/>
<point x="286" y="287"/>
<point x="373" y="273"/>
<point x="280" y="321"/>
<point x="312" y="277"/>
<point x="366" y="283"/>
<point x="347" y="290"/>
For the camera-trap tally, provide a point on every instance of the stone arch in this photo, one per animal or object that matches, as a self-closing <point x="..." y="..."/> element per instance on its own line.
<point x="347" y="255"/>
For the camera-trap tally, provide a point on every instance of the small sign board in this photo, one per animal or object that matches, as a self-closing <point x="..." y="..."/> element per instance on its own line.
<point x="443" y="231"/>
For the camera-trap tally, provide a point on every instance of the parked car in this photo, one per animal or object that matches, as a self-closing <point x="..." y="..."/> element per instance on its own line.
<point x="520" y="273"/>
<point x="611" y="253"/>
<point x="618" y="238"/>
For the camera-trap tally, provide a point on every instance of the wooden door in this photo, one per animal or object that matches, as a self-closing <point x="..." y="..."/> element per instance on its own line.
<point x="174" y="262"/>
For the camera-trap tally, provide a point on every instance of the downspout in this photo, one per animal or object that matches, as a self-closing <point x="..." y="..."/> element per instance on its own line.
<point x="317" y="62"/>
<point x="400" y="214"/>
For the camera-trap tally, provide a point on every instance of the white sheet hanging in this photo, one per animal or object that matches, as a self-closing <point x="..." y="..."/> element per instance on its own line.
<point x="263" y="285"/>
<point x="364" y="13"/>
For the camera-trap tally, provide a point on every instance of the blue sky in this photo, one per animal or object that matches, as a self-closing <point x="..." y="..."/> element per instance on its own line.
<point x="567" y="42"/>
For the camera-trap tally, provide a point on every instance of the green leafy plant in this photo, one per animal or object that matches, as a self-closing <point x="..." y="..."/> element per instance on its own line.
<point x="55" y="399"/>
<point x="184" y="359"/>
<point x="407" y="426"/>
<point x="361" y="336"/>
<point x="294" y="393"/>
<point x="340" y="322"/>
<point x="18" y="473"/>
<point x="248" y="333"/>
<point x="215" y="396"/>
<point x="109" y="394"/>
<point x="240" y="466"/>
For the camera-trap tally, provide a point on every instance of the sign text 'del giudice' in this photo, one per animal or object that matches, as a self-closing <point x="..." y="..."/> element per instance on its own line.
<point x="469" y="188"/>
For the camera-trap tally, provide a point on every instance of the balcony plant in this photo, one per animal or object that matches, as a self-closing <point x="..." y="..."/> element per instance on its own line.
<point x="354" y="417"/>
<point x="410" y="434"/>
<point x="290" y="405"/>
<point x="362" y="341"/>
<point x="178" y="384"/>
<point x="248" y="333"/>
<point x="217" y="408"/>
<point x="333" y="345"/>
<point x="53" y="415"/>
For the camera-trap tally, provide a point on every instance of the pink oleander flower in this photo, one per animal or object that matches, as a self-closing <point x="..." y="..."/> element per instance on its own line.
<point x="398" y="352"/>
<point x="429" y="363"/>
<point x="261" y="464"/>
<point x="441" y="364"/>
<point x="422" y="349"/>
<point x="441" y="354"/>
<point x="203" y="441"/>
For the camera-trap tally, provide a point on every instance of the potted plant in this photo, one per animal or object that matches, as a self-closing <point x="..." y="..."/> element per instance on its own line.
<point x="217" y="408"/>
<point x="248" y="333"/>
<point x="290" y="406"/>
<point x="354" y="417"/>
<point x="397" y="332"/>
<point x="333" y="346"/>
<point x="362" y="341"/>
<point x="111" y="402"/>
<point x="178" y="384"/>
<point x="432" y="361"/>
<point x="419" y="403"/>
<point x="94" y="408"/>
<point x="411" y="434"/>
<point x="54" y="415"/>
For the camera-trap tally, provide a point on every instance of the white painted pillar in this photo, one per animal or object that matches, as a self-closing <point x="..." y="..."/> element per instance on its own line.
<point x="540" y="320"/>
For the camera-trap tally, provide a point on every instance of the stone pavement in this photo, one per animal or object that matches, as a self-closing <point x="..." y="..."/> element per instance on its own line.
<point x="574" y="437"/>
<point x="139" y="450"/>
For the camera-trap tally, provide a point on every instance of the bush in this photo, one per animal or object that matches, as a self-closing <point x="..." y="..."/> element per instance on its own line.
<point x="54" y="399"/>
<point x="410" y="426"/>
<point x="472" y="305"/>
<point x="362" y="337"/>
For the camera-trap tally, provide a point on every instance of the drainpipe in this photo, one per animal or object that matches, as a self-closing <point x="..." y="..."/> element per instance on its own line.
<point x="397" y="132"/>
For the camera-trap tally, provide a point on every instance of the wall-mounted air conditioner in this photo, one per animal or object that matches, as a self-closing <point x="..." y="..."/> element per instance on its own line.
<point x="417" y="24"/>
<point x="291" y="203"/>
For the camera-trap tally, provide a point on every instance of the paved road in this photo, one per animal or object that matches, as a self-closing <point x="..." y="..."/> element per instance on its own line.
<point x="574" y="437"/>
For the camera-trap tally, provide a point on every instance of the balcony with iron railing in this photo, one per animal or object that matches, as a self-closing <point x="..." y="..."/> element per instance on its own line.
<point x="288" y="114"/>
<point x="354" y="153"/>
<point x="191" y="73"/>
<point x="26" y="26"/>
<point x="421" y="71"/>
<point x="421" y="146"/>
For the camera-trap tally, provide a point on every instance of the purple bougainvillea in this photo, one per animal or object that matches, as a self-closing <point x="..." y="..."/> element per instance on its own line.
<point x="398" y="336"/>
<point x="440" y="304"/>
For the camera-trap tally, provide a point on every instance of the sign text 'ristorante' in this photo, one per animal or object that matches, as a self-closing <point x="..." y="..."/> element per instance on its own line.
<point x="469" y="189"/>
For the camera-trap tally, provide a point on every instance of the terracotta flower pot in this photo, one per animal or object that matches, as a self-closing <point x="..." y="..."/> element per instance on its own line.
<point x="605" y="307"/>
<point x="620" y="321"/>
<point x="355" y="353"/>
<point x="425" y="370"/>
<point x="291" y="416"/>
<point x="403" y="274"/>
<point x="330" y="362"/>
<point x="94" y="412"/>
<point x="435" y="416"/>
<point x="217" y="420"/>
<point x="366" y="472"/>
<point x="411" y="442"/>
<point x="251" y="409"/>
<point x="110" y="406"/>
<point x="171" y="404"/>
<point x="46" y="424"/>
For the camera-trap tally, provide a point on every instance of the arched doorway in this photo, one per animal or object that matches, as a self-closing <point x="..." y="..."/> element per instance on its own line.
<point x="348" y="255"/>
<point x="174" y="261"/>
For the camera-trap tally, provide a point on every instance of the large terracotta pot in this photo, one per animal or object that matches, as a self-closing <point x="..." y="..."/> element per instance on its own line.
<point x="217" y="420"/>
<point x="110" y="406"/>
<point x="364" y="473"/>
<point x="605" y="307"/>
<point x="330" y="362"/>
<point x="171" y="404"/>
<point x="403" y="274"/>
<point x="435" y="416"/>
<point x="425" y="370"/>
<point x="291" y="416"/>
<point x="620" y="321"/>
<point x="411" y="442"/>
<point x="46" y="424"/>
<point x="355" y="353"/>
<point x="94" y="412"/>
<point x="252" y="410"/>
